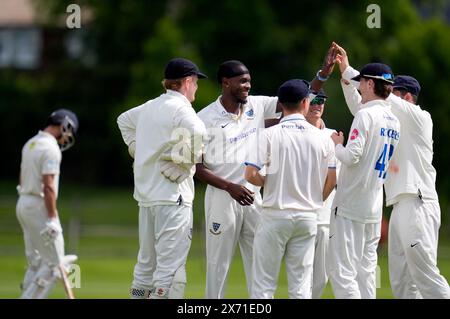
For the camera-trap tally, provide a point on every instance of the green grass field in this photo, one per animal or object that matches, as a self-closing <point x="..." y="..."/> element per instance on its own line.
<point x="100" y="226"/>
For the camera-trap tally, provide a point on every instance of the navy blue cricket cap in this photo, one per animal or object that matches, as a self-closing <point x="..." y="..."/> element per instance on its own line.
<point x="179" y="68"/>
<point x="293" y="91"/>
<point x="377" y="71"/>
<point x="407" y="83"/>
<point x="61" y="116"/>
<point x="321" y="93"/>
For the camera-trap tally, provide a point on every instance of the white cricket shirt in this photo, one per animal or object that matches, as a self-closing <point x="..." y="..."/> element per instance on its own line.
<point x="297" y="156"/>
<point x="324" y="213"/>
<point x="414" y="153"/>
<point x="372" y="140"/>
<point x="231" y="137"/>
<point x="41" y="155"/>
<point x="155" y="125"/>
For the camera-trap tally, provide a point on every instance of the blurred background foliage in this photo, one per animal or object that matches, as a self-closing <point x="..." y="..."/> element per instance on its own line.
<point x="126" y="44"/>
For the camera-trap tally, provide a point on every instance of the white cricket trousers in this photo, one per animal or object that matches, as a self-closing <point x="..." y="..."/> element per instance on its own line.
<point x="165" y="235"/>
<point x="352" y="258"/>
<point x="289" y="234"/>
<point x="320" y="277"/>
<point x="32" y="215"/>
<point x="227" y="223"/>
<point x="413" y="243"/>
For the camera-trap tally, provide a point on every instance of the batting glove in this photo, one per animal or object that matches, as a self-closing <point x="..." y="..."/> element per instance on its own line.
<point x="51" y="231"/>
<point x="174" y="172"/>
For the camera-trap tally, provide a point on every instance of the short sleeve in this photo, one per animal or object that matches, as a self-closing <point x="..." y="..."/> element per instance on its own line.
<point x="331" y="156"/>
<point x="261" y="157"/>
<point x="269" y="106"/>
<point x="51" y="162"/>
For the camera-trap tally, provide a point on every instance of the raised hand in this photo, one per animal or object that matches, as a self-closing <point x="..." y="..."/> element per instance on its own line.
<point x="329" y="61"/>
<point x="341" y="57"/>
<point x="241" y="194"/>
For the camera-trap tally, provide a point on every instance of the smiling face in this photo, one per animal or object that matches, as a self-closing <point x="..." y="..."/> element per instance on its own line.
<point x="316" y="107"/>
<point x="238" y="87"/>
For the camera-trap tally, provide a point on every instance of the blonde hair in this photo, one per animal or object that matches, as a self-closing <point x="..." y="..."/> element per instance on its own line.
<point x="172" y="84"/>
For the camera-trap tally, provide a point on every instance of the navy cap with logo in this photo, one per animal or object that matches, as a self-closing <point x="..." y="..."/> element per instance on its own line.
<point x="179" y="68"/>
<point x="377" y="71"/>
<point x="293" y="91"/>
<point x="63" y="116"/>
<point x="407" y="83"/>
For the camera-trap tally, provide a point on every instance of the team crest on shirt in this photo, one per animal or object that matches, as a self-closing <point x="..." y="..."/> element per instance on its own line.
<point x="250" y="114"/>
<point x="354" y="134"/>
<point x="215" y="229"/>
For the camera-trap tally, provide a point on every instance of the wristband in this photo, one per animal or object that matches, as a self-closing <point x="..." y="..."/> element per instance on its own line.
<point x="322" y="79"/>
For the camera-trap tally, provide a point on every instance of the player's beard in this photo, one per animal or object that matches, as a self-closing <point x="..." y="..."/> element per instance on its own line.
<point x="239" y="98"/>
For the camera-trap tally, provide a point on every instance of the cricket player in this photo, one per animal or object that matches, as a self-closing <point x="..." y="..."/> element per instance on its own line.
<point x="357" y="207"/>
<point x="300" y="174"/>
<point x="320" y="277"/>
<point x="416" y="215"/>
<point x="164" y="137"/>
<point x="410" y="188"/>
<point x="37" y="205"/>
<point x="231" y="203"/>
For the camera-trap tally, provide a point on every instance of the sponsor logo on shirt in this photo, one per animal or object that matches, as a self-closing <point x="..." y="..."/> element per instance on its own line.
<point x="243" y="135"/>
<point x="224" y="125"/>
<point x="391" y="133"/>
<point x="293" y="126"/>
<point x="388" y="117"/>
<point x="215" y="229"/>
<point x="354" y="134"/>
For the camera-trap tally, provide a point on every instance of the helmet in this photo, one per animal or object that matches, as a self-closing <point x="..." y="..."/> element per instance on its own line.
<point x="69" y="126"/>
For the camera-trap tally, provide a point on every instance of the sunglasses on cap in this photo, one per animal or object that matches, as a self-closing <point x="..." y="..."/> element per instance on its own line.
<point x="317" y="100"/>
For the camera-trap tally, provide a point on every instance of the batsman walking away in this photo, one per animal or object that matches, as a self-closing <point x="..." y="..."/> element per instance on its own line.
<point x="37" y="206"/>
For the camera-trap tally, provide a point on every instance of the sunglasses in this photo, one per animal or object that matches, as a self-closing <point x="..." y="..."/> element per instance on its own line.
<point x="317" y="100"/>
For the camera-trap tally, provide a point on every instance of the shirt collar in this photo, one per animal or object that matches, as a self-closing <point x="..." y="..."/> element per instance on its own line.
<point x="47" y="135"/>
<point x="293" y="117"/>
<point x="224" y="112"/>
<point x="179" y="95"/>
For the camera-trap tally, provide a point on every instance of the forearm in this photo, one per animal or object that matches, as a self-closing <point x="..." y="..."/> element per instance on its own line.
<point x="256" y="179"/>
<point x="316" y="84"/>
<point x="207" y="176"/>
<point x="330" y="183"/>
<point x="253" y="176"/>
<point x="50" y="201"/>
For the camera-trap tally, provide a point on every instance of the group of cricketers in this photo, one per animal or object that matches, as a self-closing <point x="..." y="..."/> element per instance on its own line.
<point x="321" y="203"/>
